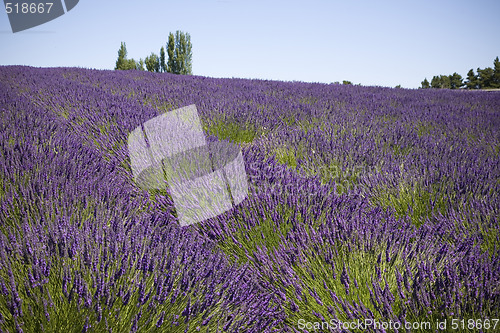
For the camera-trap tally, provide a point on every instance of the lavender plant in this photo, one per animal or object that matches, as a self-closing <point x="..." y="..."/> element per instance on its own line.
<point x="364" y="203"/>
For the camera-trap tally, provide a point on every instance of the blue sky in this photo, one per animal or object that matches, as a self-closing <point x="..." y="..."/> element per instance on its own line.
<point x="368" y="42"/>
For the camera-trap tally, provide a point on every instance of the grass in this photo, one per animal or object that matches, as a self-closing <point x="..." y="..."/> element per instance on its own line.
<point x="161" y="105"/>
<point x="232" y="130"/>
<point x="269" y="232"/>
<point x="323" y="273"/>
<point x="412" y="200"/>
<point x="287" y="155"/>
<point x="327" y="169"/>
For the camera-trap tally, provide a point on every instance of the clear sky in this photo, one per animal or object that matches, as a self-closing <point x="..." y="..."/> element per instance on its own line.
<point x="371" y="42"/>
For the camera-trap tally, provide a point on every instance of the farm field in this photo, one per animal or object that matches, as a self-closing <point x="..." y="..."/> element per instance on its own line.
<point x="364" y="203"/>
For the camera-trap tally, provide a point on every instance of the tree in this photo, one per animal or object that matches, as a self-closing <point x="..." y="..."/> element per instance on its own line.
<point x="130" y="64"/>
<point x="171" y="65"/>
<point x="122" y="57"/>
<point x="122" y="63"/>
<point x="456" y="81"/>
<point x="436" y="82"/>
<point x="183" y="52"/>
<point x="162" y="64"/>
<point x="179" y="56"/>
<point x="442" y="82"/>
<point x="179" y="50"/>
<point x="140" y="65"/>
<point x="152" y="63"/>
<point x="496" y="73"/>
<point x="445" y="82"/>
<point x="485" y="77"/>
<point x="188" y="59"/>
<point x="346" y="82"/>
<point x="472" y="80"/>
<point x="425" y="84"/>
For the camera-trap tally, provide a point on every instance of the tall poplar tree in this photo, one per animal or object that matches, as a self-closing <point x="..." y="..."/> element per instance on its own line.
<point x="163" y="65"/>
<point x="180" y="54"/>
<point x="171" y="65"/>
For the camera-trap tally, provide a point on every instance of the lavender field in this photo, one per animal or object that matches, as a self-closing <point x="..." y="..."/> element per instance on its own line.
<point x="364" y="203"/>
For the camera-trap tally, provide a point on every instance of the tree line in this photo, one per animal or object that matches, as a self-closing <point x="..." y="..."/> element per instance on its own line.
<point x="487" y="78"/>
<point x="178" y="50"/>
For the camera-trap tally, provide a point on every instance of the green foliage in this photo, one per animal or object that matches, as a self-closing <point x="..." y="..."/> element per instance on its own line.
<point x="453" y="81"/>
<point x="456" y="81"/>
<point x="140" y="65"/>
<point x="180" y="53"/>
<point x="485" y="77"/>
<point x="472" y="80"/>
<point x="288" y="156"/>
<point x="425" y="84"/>
<point x="232" y="130"/>
<point x="436" y="82"/>
<point x="267" y="232"/>
<point x="153" y="63"/>
<point x="122" y="63"/>
<point x="171" y="54"/>
<point x="322" y="276"/>
<point x="163" y="65"/>
<point x="122" y="56"/>
<point x="496" y="73"/>
<point x="413" y="200"/>
<point x="346" y="82"/>
<point x="345" y="178"/>
<point x="130" y="64"/>
<point x="441" y="82"/>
